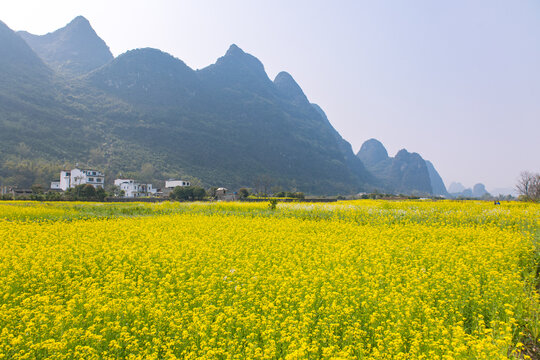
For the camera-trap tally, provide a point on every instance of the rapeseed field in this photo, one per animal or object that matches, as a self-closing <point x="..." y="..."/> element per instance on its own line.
<point x="347" y="280"/>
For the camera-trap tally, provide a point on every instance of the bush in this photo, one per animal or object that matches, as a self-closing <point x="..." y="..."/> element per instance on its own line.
<point x="187" y="193"/>
<point x="288" y="194"/>
<point x="273" y="203"/>
<point x="243" y="193"/>
<point x="53" y="196"/>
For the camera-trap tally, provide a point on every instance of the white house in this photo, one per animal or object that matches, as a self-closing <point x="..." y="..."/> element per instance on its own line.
<point x="74" y="177"/>
<point x="55" y="185"/>
<point x="171" y="184"/>
<point x="132" y="188"/>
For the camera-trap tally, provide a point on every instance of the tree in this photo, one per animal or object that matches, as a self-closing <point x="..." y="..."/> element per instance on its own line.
<point x="180" y="193"/>
<point x="528" y="186"/>
<point x="262" y="184"/>
<point x="273" y="204"/>
<point x="37" y="189"/>
<point x="299" y="195"/>
<point x="243" y="193"/>
<point x="212" y="192"/>
<point x="114" y="190"/>
<point x="101" y="194"/>
<point x="86" y="192"/>
<point x="198" y="193"/>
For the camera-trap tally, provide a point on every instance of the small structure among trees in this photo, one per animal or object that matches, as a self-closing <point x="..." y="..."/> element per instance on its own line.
<point x="528" y="186"/>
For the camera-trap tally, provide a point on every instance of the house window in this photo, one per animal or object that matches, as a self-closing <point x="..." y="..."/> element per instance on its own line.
<point x="98" y="179"/>
<point x="90" y="179"/>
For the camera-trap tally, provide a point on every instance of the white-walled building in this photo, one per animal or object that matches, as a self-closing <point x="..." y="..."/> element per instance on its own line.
<point x="132" y="188"/>
<point x="171" y="184"/>
<point x="55" y="185"/>
<point x="72" y="178"/>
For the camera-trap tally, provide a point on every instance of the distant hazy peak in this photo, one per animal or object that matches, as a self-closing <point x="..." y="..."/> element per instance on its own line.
<point x="237" y="56"/>
<point x="403" y="153"/>
<point x="79" y="20"/>
<point x="290" y="88"/>
<point x="145" y="50"/>
<point x="373" y="143"/>
<point x="237" y="68"/>
<point x="79" y="25"/>
<point x="372" y="151"/>
<point x="284" y="77"/>
<point x="234" y="50"/>
<point x="456" y="187"/>
<point x="479" y="190"/>
<point x="148" y="76"/>
<point x="74" y="49"/>
<point x="148" y="53"/>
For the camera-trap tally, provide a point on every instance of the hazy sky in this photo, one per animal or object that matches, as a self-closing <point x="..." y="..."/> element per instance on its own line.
<point x="456" y="81"/>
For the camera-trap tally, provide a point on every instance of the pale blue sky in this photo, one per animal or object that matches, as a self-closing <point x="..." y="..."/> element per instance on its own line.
<point x="456" y="81"/>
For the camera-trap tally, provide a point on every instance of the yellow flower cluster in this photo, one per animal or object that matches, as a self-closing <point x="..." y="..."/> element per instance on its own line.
<point x="349" y="280"/>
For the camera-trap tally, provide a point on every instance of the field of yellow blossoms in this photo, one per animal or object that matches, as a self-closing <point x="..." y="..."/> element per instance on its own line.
<point x="347" y="280"/>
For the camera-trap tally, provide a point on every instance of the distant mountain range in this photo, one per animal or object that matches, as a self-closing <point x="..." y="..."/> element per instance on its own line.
<point x="146" y="114"/>
<point x="405" y="173"/>
<point x="457" y="189"/>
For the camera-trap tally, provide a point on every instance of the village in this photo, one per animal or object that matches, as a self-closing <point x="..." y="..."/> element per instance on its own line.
<point x="127" y="189"/>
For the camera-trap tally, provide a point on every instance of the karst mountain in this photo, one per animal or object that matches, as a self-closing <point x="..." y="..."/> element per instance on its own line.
<point x="65" y="99"/>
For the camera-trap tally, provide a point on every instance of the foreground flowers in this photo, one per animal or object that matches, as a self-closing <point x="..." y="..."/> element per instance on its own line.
<point x="364" y="279"/>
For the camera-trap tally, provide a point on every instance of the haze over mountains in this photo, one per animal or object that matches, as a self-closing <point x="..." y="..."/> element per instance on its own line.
<point x="64" y="99"/>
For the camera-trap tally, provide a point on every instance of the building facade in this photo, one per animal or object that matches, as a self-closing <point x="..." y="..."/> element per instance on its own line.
<point x="71" y="178"/>
<point x="171" y="184"/>
<point x="132" y="188"/>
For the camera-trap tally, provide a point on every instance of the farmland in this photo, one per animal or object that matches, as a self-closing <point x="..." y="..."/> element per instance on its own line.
<point x="352" y="279"/>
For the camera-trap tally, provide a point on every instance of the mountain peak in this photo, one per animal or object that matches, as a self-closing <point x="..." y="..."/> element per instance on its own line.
<point x="234" y="50"/>
<point x="75" y="49"/>
<point x="456" y="187"/>
<point x="290" y="88"/>
<point x="405" y="173"/>
<point x="79" y="20"/>
<point x="403" y="153"/>
<point x="479" y="190"/>
<point x="372" y="151"/>
<point x="284" y="76"/>
<point x="148" y="76"/>
<point x="238" y="69"/>
<point x="236" y="57"/>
